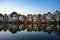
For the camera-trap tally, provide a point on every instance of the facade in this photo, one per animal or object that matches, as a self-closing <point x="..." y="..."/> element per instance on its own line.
<point x="29" y="18"/>
<point x="13" y="17"/>
<point x="9" y="18"/>
<point x="57" y="15"/>
<point x="39" y="18"/>
<point x="49" y="17"/>
<point x="35" y="17"/>
<point x="22" y="18"/>
<point x="43" y="18"/>
<point x="1" y="17"/>
<point x="6" y="19"/>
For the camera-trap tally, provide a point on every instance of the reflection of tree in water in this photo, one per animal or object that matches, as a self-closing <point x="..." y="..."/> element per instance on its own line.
<point x="13" y="31"/>
<point x="49" y="28"/>
<point x="13" y="28"/>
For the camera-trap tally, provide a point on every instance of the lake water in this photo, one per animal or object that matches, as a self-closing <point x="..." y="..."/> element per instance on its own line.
<point x="47" y="32"/>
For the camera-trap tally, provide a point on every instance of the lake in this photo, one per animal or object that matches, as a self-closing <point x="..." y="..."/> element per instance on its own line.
<point x="29" y="32"/>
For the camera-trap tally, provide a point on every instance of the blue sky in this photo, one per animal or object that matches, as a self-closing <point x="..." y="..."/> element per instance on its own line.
<point x="29" y="6"/>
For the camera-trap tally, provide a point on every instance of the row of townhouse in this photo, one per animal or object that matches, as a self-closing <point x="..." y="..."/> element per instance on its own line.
<point x="36" y="18"/>
<point x="13" y="17"/>
<point x="48" y="17"/>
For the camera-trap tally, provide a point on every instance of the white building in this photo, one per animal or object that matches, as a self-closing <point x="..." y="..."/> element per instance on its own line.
<point x="21" y="18"/>
<point x="57" y="15"/>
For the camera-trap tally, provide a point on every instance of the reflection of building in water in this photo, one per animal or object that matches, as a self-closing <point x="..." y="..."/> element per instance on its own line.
<point x="43" y="27"/>
<point x="57" y="30"/>
<point x="35" y="27"/>
<point x="39" y="26"/>
<point x="22" y="27"/>
<point x="50" y="28"/>
<point x="1" y="27"/>
<point x="5" y="26"/>
<point x="13" y="28"/>
<point x="29" y="27"/>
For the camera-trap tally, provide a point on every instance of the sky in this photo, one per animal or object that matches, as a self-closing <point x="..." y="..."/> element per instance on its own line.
<point x="25" y="7"/>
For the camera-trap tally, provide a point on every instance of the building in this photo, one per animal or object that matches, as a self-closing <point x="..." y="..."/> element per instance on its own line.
<point x="29" y="18"/>
<point x="21" y="18"/>
<point x="39" y="18"/>
<point x="50" y="17"/>
<point x="1" y="17"/>
<point x="9" y="19"/>
<point x="35" y="17"/>
<point x="13" y="17"/>
<point x="6" y="19"/>
<point x="43" y="18"/>
<point x="57" y="15"/>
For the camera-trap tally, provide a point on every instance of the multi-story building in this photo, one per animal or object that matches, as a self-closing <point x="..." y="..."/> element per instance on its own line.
<point x="6" y="19"/>
<point x="39" y="18"/>
<point x="13" y="17"/>
<point x="50" y="17"/>
<point x="35" y="17"/>
<point x="1" y="17"/>
<point x="29" y="18"/>
<point x="21" y="18"/>
<point x="9" y="18"/>
<point x="57" y="15"/>
<point x="43" y="18"/>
